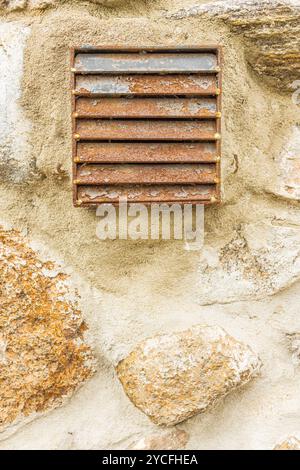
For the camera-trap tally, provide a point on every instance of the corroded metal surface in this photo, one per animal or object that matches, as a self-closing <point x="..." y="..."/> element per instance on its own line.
<point x="146" y="174"/>
<point x="138" y="193"/>
<point x="146" y="124"/>
<point x="145" y="130"/>
<point x="145" y="62"/>
<point x="140" y="85"/>
<point x="165" y="108"/>
<point x="124" y="152"/>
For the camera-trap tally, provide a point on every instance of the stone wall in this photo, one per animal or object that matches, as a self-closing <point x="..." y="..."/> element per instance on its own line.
<point x="94" y="334"/>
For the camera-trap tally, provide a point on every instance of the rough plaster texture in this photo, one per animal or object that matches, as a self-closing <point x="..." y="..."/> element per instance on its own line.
<point x="15" y="156"/>
<point x="174" y="439"/>
<point x="246" y="279"/>
<point x="289" y="166"/>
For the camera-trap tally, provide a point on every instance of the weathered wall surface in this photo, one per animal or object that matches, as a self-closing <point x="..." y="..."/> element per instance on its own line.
<point x="245" y="280"/>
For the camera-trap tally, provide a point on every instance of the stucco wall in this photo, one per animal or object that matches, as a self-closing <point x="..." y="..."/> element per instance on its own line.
<point x="246" y="279"/>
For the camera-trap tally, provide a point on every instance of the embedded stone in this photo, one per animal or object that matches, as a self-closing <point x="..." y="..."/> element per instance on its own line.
<point x="291" y="443"/>
<point x="43" y="355"/>
<point x="271" y="29"/>
<point x="173" y="377"/>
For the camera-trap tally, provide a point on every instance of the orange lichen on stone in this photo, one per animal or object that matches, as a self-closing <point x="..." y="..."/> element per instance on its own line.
<point x="43" y="357"/>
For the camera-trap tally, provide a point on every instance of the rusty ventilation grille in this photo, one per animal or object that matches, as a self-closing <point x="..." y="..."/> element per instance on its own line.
<point x="146" y="124"/>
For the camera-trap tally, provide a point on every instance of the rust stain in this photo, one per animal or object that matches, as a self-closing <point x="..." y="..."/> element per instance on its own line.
<point x="146" y="108"/>
<point x="139" y="193"/>
<point x="146" y="174"/>
<point x="145" y="130"/>
<point x="147" y="85"/>
<point x="116" y="152"/>
<point x="45" y="358"/>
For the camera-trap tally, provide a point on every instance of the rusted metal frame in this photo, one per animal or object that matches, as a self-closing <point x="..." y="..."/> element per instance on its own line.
<point x="148" y="174"/>
<point x="213" y="137"/>
<point x="146" y="130"/>
<point x="149" y="48"/>
<point x="205" y="179"/>
<point x="122" y="48"/>
<point x="139" y="152"/>
<point x="74" y="141"/>
<point x="147" y="202"/>
<point x="145" y="62"/>
<point x="143" y="190"/>
<point x="143" y="193"/>
<point x="79" y="115"/>
<point x="116" y="204"/>
<point x="163" y="73"/>
<point x="87" y="94"/>
<point x="219" y="122"/>
<point x="146" y="85"/>
<point x="195" y="199"/>
<point x="74" y="145"/>
<point x="150" y="108"/>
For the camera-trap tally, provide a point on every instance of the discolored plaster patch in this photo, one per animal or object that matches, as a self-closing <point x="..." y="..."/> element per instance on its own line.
<point x="289" y="167"/>
<point x="16" y="164"/>
<point x="173" y="439"/>
<point x="260" y="259"/>
<point x="43" y="355"/>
